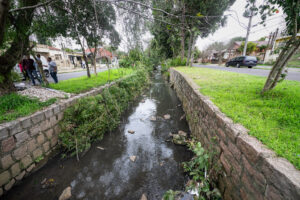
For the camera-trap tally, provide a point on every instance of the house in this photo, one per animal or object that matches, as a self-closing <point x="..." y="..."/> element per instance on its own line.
<point x="273" y="53"/>
<point x="64" y="60"/>
<point x="103" y="55"/>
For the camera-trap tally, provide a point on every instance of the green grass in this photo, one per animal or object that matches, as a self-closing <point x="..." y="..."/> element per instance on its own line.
<point x="13" y="106"/>
<point x="295" y="61"/>
<point x="273" y="118"/>
<point x="81" y="84"/>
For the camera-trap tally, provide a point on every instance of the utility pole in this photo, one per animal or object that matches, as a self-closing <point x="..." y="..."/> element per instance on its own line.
<point x="248" y="32"/>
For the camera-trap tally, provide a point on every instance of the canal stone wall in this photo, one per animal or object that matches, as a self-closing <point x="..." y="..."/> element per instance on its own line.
<point x="25" y="142"/>
<point x="250" y="170"/>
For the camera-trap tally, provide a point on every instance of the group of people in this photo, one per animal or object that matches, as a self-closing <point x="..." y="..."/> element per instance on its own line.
<point x="29" y="68"/>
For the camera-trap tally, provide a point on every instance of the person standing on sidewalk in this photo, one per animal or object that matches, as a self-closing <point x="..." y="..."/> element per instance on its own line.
<point x="40" y="68"/>
<point x="52" y="69"/>
<point x="28" y="65"/>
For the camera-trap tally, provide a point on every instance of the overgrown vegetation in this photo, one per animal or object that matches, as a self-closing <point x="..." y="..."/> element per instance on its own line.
<point x="272" y="118"/>
<point x="14" y="105"/>
<point x="199" y="169"/>
<point x="173" y="63"/>
<point x="81" y="84"/>
<point x="90" y="118"/>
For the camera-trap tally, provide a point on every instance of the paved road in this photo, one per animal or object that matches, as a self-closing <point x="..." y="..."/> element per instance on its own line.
<point x="292" y="75"/>
<point x="65" y="76"/>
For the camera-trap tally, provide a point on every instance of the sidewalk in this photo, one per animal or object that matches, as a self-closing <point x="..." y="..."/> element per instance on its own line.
<point x="62" y="71"/>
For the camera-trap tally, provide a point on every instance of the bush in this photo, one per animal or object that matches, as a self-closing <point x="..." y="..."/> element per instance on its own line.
<point x="173" y="63"/>
<point x="91" y="117"/>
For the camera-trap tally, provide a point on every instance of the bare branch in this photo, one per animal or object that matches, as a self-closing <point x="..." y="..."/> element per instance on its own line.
<point x="157" y="9"/>
<point x="32" y="7"/>
<point x="146" y="17"/>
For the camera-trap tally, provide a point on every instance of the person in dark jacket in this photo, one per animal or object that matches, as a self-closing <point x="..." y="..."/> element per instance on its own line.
<point x="28" y="65"/>
<point x="52" y="69"/>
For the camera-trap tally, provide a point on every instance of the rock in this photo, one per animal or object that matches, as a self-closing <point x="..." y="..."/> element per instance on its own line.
<point x="131" y="131"/>
<point x="43" y="94"/>
<point x="179" y="139"/>
<point x="20" y="86"/>
<point x="185" y="196"/>
<point x="182" y="133"/>
<point x="143" y="101"/>
<point x="153" y="118"/>
<point x="132" y="158"/>
<point x="167" y="116"/>
<point x="66" y="194"/>
<point x="101" y="148"/>
<point x="48" y="183"/>
<point x="144" y="197"/>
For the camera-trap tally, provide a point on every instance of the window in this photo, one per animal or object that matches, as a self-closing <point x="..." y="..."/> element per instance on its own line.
<point x="58" y="57"/>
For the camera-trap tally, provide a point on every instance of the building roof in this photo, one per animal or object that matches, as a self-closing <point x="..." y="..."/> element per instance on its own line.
<point x="101" y="52"/>
<point x="54" y="48"/>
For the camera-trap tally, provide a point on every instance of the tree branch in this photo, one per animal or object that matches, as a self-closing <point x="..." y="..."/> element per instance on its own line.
<point x="32" y="7"/>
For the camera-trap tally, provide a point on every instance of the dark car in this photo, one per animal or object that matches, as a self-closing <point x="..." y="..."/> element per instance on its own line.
<point x="248" y="61"/>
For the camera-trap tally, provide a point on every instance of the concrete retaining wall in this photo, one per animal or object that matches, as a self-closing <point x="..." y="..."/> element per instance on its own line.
<point x="26" y="141"/>
<point x="250" y="170"/>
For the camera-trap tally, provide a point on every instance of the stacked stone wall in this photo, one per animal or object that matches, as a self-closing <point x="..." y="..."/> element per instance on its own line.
<point x="25" y="142"/>
<point x="249" y="169"/>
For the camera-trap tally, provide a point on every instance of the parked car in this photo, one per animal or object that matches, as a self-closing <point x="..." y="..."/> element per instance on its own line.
<point x="248" y="61"/>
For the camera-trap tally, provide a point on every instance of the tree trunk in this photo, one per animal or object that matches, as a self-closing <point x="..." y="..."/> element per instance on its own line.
<point x="41" y="70"/>
<point x="19" y="45"/>
<point x="288" y="51"/>
<point x="220" y="58"/>
<point x="190" y="51"/>
<point x="182" y="31"/>
<point x="94" y="60"/>
<point x="84" y="56"/>
<point x="87" y="65"/>
<point x="4" y="8"/>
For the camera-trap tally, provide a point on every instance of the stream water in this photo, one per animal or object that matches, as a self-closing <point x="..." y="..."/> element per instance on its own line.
<point x="109" y="173"/>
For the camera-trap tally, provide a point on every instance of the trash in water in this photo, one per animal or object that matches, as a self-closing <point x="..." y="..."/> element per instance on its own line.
<point x="132" y="158"/>
<point x="131" y="131"/>
<point x="182" y="117"/>
<point x="101" y="148"/>
<point x="153" y="118"/>
<point x="144" y="197"/>
<point x="167" y="116"/>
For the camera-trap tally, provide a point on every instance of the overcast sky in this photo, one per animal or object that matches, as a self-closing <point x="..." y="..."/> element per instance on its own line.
<point x="234" y="29"/>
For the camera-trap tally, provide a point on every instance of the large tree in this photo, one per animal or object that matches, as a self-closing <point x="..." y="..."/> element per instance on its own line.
<point x="188" y="20"/>
<point x="15" y="28"/>
<point x="291" y="9"/>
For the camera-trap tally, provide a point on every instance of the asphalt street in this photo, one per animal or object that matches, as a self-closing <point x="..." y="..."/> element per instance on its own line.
<point x="292" y="75"/>
<point x="66" y="76"/>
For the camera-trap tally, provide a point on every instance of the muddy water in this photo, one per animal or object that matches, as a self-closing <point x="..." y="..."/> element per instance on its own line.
<point x="109" y="173"/>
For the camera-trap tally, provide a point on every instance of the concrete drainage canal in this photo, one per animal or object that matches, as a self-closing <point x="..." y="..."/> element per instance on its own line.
<point x="133" y="161"/>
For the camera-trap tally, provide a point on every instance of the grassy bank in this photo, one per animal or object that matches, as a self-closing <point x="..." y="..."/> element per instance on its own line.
<point x="272" y="118"/>
<point x="81" y="84"/>
<point x="91" y="117"/>
<point x="13" y="106"/>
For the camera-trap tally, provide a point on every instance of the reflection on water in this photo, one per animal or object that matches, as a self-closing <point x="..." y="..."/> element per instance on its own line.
<point x="109" y="173"/>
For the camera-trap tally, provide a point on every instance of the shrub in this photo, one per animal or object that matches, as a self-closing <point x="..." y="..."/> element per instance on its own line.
<point x="91" y="117"/>
<point x="173" y="63"/>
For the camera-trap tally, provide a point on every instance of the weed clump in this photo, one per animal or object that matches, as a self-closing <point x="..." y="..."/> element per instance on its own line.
<point x="91" y="117"/>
